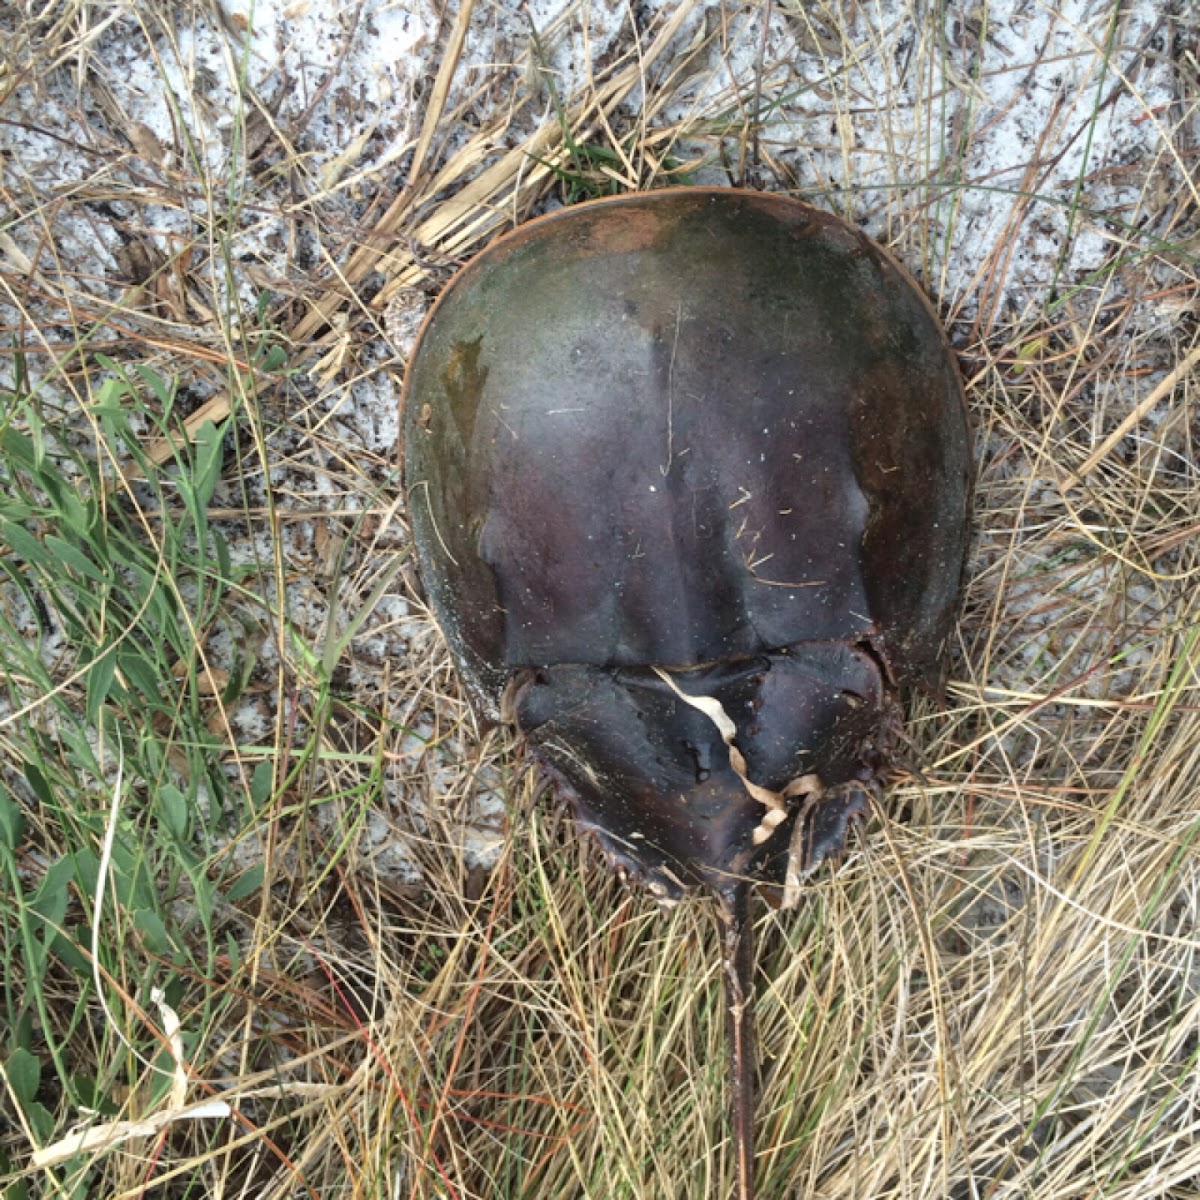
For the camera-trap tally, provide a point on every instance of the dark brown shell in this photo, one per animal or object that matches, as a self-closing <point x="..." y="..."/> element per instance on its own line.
<point x="712" y="432"/>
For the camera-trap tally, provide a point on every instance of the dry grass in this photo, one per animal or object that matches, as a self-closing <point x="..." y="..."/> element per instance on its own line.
<point x="997" y="996"/>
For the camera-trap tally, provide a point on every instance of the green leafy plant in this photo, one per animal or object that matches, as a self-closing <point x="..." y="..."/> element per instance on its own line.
<point x="113" y="580"/>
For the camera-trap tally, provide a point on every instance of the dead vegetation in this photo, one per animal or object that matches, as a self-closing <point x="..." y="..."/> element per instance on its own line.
<point x="997" y="996"/>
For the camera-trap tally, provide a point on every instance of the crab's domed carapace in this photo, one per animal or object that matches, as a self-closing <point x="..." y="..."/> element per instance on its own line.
<point x="713" y="432"/>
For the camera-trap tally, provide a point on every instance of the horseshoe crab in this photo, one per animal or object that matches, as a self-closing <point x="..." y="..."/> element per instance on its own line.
<point x="688" y="475"/>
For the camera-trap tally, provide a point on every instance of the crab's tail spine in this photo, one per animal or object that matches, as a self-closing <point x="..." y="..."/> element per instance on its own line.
<point x="737" y="960"/>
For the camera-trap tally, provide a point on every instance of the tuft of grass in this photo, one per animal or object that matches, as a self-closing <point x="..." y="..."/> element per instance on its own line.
<point x="115" y="582"/>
